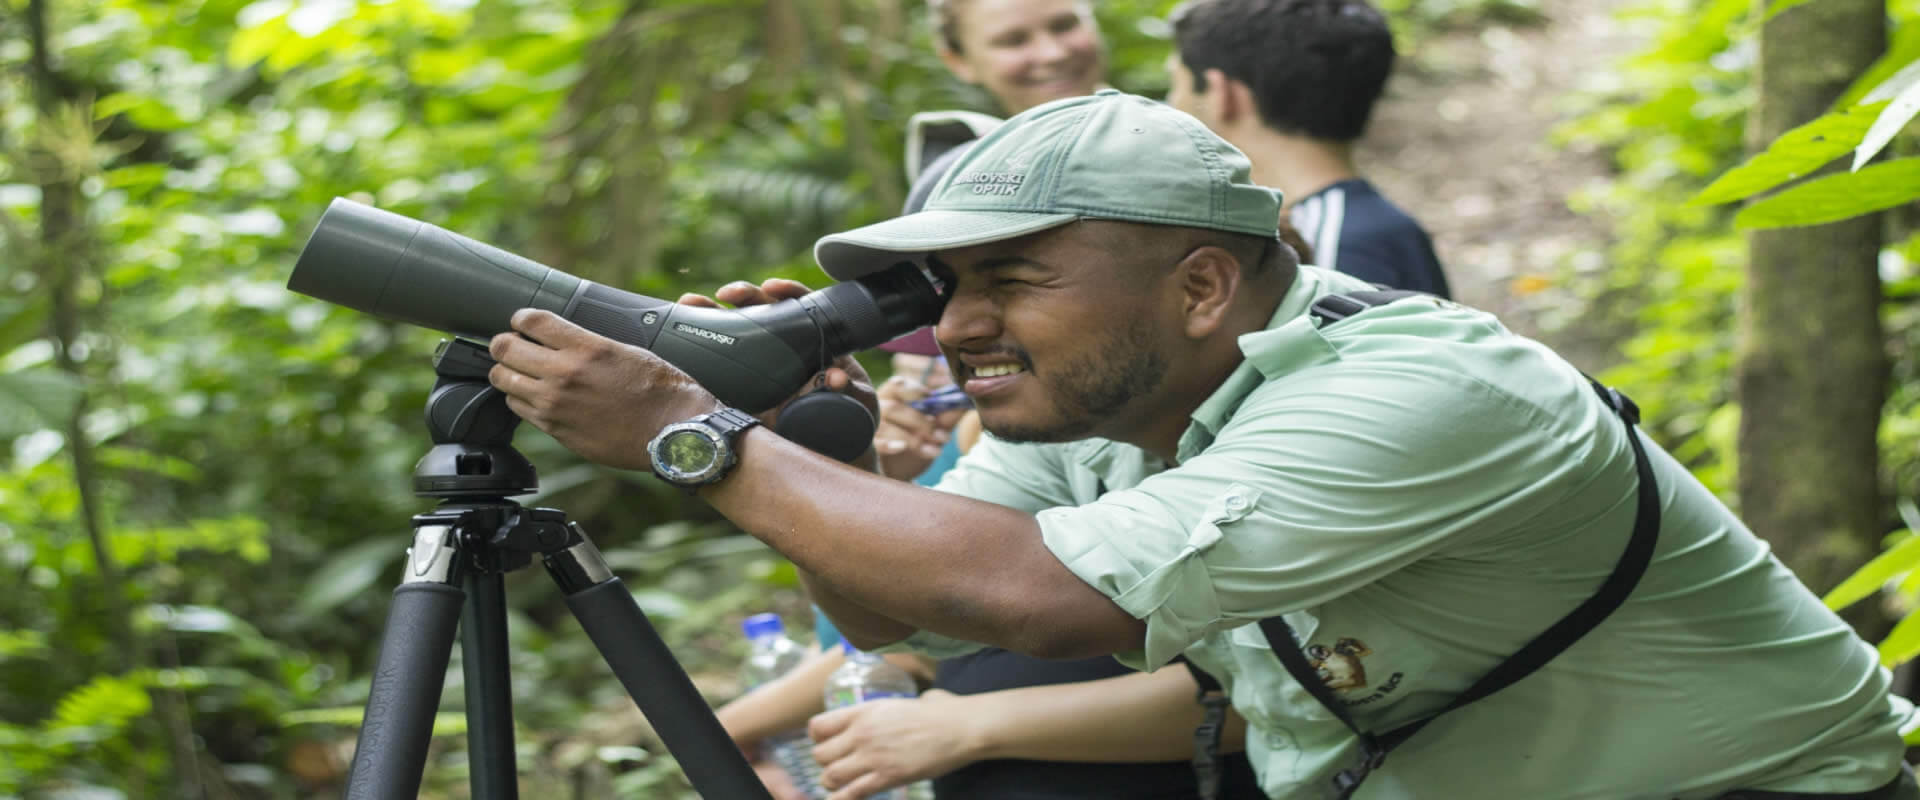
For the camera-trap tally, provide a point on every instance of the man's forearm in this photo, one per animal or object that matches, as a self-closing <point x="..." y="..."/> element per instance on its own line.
<point x="920" y="558"/>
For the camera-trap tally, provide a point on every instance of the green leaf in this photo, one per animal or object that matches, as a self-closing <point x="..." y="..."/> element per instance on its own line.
<point x="1903" y="643"/>
<point x="145" y="112"/>
<point x="1899" y="559"/>
<point x="43" y="396"/>
<point x="1902" y="94"/>
<point x="1796" y="153"/>
<point x="1837" y="197"/>
<point x="106" y="704"/>
<point x="349" y="573"/>
<point x="1903" y="47"/>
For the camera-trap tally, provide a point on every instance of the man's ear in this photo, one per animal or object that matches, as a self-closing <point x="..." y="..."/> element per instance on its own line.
<point x="957" y="64"/>
<point x="1222" y="99"/>
<point x="1209" y="278"/>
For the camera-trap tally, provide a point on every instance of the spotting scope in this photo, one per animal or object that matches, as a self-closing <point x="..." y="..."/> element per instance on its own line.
<point x="752" y="358"/>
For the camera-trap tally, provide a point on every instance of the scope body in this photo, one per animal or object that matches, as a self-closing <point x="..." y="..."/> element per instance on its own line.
<point x="752" y="358"/>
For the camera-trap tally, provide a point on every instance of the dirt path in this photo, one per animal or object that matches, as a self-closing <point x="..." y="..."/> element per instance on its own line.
<point x="1462" y="141"/>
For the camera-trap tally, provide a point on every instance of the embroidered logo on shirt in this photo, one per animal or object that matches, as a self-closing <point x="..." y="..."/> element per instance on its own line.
<point x="1340" y="668"/>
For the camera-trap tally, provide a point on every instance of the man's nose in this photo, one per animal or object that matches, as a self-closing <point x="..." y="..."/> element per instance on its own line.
<point x="968" y="317"/>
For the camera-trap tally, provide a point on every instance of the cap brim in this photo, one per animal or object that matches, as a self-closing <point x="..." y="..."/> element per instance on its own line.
<point x="863" y="251"/>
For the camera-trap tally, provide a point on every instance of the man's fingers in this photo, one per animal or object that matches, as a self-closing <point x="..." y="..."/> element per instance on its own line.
<point x="783" y="289"/>
<point x="525" y="357"/>
<point x="701" y="300"/>
<point x="550" y="329"/>
<point x="742" y="293"/>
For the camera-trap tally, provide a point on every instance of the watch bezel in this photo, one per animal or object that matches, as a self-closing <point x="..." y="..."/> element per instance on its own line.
<point x="719" y="429"/>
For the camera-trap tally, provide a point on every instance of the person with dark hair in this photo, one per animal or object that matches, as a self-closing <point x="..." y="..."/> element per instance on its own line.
<point x="1292" y="84"/>
<point x="1198" y="446"/>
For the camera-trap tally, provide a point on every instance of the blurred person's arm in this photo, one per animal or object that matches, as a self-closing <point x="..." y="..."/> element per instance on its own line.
<point x="1142" y="717"/>
<point x="907" y="439"/>
<point x="782" y="704"/>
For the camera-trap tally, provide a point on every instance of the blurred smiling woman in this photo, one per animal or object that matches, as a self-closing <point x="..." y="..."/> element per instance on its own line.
<point x="1023" y="52"/>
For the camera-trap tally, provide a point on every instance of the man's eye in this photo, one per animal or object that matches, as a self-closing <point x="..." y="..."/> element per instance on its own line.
<point x="1064" y="24"/>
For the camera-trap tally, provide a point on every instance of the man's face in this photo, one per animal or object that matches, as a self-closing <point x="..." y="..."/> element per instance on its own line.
<point x="1051" y="336"/>
<point x="1028" y="52"/>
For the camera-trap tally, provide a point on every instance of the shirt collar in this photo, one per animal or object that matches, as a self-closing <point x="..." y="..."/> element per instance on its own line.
<point x="1219" y="407"/>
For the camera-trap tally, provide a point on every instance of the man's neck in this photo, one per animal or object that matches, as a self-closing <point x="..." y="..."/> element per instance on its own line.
<point x="1207" y="369"/>
<point x="1296" y="165"/>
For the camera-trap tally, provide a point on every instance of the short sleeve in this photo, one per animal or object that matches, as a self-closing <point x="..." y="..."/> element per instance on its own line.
<point x="1312" y="491"/>
<point x="1028" y="477"/>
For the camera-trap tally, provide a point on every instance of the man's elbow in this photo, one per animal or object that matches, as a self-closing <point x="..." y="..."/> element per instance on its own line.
<point x="868" y="642"/>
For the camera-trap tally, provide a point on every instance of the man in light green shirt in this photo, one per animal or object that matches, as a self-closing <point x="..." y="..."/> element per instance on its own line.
<point x="1177" y="450"/>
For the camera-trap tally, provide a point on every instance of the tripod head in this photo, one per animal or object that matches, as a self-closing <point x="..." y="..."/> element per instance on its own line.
<point x="472" y="430"/>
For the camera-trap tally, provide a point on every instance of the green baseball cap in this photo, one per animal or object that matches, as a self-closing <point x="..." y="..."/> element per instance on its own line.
<point x="1107" y="155"/>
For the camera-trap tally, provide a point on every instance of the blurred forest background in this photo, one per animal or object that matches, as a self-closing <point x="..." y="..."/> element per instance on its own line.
<point x="204" y="479"/>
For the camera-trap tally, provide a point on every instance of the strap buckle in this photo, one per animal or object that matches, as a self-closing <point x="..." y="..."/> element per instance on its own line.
<point x="1348" y="780"/>
<point x="1333" y="308"/>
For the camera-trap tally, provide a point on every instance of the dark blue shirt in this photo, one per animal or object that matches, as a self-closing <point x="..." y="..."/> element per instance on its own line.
<point x="1353" y="229"/>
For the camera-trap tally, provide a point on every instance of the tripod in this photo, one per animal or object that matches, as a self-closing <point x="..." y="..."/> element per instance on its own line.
<point x="454" y="579"/>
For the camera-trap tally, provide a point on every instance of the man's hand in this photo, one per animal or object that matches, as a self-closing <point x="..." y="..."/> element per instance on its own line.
<point x="880" y="744"/>
<point x="907" y="439"/>
<point x="600" y="398"/>
<point x="845" y="375"/>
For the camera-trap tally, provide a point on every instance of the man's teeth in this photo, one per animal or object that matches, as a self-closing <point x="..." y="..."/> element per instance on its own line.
<point x="996" y="370"/>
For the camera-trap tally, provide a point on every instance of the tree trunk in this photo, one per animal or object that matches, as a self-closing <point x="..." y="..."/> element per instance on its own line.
<point x="1812" y="371"/>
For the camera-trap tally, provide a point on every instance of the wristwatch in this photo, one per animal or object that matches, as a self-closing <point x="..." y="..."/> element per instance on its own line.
<point x="701" y="450"/>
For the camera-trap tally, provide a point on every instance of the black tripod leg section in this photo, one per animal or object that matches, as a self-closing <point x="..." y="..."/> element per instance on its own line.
<point x="713" y="764"/>
<point x="392" y="748"/>
<point x="483" y="658"/>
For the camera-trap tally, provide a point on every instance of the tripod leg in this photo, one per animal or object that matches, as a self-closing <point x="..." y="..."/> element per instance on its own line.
<point x="493" y="774"/>
<point x="392" y="748"/>
<point x="642" y="662"/>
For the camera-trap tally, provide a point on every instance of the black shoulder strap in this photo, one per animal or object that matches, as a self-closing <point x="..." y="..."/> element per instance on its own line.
<point x="1206" y="737"/>
<point x="1536" y="653"/>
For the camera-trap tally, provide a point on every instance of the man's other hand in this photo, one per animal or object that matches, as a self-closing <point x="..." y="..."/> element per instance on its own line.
<point x="844" y="375"/>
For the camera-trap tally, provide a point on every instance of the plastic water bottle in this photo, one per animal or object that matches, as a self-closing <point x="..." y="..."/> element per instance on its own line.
<point x="773" y="654"/>
<point x="864" y="677"/>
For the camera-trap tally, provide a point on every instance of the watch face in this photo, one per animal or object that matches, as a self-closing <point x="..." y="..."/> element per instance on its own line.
<point x="688" y="453"/>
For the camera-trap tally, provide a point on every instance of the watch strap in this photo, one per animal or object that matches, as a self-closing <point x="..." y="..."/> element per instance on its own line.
<point x="728" y="422"/>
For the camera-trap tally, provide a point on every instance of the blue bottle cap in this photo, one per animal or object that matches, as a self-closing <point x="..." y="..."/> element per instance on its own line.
<point x="759" y="625"/>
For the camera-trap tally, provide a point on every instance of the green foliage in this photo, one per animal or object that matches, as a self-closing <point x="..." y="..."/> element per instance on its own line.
<point x="1796" y="154"/>
<point x="1832" y="198"/>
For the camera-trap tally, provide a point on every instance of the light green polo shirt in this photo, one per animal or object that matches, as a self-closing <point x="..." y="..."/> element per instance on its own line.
<point x="1420" y="492"/>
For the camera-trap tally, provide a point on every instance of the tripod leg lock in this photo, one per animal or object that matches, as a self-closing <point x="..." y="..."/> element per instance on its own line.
<point x="435" y="556"/>
<point x="578" y="566"/>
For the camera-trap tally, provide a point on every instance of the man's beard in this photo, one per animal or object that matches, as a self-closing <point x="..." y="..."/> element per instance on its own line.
<point x="1087" y="392"/>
